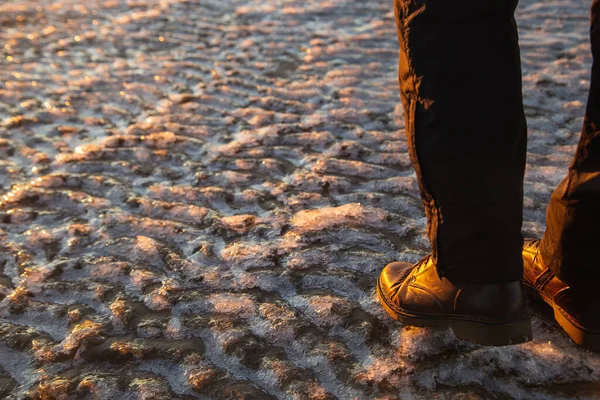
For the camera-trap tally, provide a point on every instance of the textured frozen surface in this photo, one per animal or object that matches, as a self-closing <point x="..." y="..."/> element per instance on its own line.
<point x="197" y="197"/>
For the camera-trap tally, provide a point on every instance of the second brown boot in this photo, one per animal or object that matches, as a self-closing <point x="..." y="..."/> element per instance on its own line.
<point x="493" y="314"/>
<point x="575" y="309"/>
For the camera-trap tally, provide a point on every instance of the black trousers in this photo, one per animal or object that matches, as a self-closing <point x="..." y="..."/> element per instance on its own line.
<point x="460" y="85"/>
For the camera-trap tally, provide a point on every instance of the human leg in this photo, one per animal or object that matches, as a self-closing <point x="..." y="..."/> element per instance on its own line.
<point x="569" y="247"/>
<point x="563" y="269"/>
<point x="460" y="85"/>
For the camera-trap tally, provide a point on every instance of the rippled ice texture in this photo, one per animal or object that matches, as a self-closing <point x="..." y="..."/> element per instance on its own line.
<point x="198" y="196"/>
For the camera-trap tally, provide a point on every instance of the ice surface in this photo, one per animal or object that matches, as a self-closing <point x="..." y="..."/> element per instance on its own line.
<point x="196" y="197"/>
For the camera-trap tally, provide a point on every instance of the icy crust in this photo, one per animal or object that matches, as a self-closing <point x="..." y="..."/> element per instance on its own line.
<point x="196" y="198"/>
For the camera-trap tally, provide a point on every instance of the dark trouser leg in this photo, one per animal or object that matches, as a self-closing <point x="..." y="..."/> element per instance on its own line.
<point x="460" y="84"/>
<point x="570" y="247"/>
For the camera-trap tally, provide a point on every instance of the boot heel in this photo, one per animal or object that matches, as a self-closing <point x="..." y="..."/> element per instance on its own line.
<point x="493" y="334"/>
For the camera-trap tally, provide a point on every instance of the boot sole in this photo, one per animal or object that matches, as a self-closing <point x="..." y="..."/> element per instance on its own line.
<point x="579" y="335"/>
<point x="480" y="332"/>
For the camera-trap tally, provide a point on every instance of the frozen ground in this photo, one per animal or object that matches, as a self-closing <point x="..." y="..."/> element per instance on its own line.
<point x="198" y="196"/>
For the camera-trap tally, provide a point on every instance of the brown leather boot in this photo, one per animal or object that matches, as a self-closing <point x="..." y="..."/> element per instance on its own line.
<point x="493" y="314"/>
<point x="575" y="309"/>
